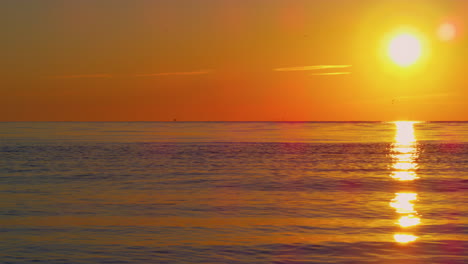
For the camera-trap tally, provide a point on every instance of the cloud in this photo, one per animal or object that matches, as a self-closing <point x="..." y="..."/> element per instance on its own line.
<point x="200" y="72"/>
<point x="80" y="76"/>
<point x="330" y="73"/>
<point x="313" y="68"/>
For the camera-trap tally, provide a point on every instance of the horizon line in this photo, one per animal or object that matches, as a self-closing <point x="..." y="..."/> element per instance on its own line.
<point x="226" y="121"/>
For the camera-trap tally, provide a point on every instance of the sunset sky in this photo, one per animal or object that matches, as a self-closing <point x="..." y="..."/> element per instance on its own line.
<point x="231" y="60"/>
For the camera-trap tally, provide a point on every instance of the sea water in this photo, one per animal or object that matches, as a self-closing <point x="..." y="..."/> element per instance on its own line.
<point x="234" y="192"/>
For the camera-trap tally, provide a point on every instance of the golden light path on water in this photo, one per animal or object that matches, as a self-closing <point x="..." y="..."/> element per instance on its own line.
<point x="404" y="154"/>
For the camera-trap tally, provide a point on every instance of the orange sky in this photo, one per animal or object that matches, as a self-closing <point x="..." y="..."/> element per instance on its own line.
<point x="117" y="60"/>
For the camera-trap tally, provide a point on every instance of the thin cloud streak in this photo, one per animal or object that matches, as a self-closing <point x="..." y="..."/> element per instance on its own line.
<point x="330" y="73"/>
<point x="80" y="76"/>
<point x="313" y="68"/>
<point x="201" y="72"/>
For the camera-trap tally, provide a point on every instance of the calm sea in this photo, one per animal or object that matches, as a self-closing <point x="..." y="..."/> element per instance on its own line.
<point x="234" y="192"/>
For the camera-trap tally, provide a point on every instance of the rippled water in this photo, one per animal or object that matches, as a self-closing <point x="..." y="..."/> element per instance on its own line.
<point x="188" y="192"/>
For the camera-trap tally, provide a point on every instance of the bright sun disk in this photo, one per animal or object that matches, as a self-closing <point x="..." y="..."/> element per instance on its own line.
<point x="405" y="49"/>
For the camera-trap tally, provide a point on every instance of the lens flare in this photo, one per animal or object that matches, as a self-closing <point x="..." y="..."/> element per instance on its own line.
<point x="447" y="31"/>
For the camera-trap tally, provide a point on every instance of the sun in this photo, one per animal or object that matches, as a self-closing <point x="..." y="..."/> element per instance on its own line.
<point x="405" y="49"/>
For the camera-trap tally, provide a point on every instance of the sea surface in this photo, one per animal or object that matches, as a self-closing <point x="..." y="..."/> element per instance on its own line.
<point x="234" y="192"/>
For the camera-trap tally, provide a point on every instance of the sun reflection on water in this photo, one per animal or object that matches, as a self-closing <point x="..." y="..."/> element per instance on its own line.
<point x="403" y="203"/>
<point x="404" y="154"/>
<point x="404" y="175"/>
<point x="404" y="238"/>
<point x="409" y="220"/>
<point x="405" y="132"/>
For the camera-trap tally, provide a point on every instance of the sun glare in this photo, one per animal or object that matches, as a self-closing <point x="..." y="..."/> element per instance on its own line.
<point x="405" y="49"/>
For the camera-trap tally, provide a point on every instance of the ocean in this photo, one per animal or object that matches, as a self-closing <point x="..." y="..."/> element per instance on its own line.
<point x="234" y="192"/>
